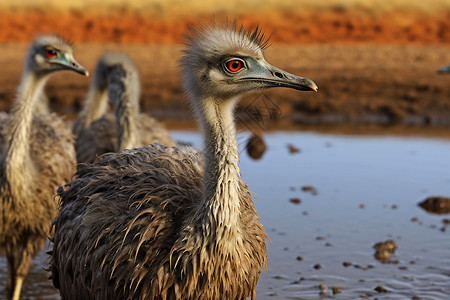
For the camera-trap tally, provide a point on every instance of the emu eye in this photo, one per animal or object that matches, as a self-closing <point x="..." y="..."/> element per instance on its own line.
<point x="50" y="53"/>
<point x="234" y="65"/>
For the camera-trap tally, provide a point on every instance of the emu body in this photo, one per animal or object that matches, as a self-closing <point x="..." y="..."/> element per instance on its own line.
<point x="97" y="132"/>
<point x="173" y="223"/>
<point x="37" y="155"/>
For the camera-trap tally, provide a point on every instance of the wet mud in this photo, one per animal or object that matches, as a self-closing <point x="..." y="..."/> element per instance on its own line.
<point x="437" y="205"/>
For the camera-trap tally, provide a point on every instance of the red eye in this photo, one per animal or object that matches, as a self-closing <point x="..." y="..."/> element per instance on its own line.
<point x="50" y="53"/>
<point x="234" y="65"/>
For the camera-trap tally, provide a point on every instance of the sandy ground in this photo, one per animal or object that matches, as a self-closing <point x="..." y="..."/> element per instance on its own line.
<point x="335" y="25"/>
<point x="359" y="83"/>
<point x="372" y="63"/>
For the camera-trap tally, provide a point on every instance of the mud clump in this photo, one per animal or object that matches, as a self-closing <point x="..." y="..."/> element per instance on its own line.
<point x="292" y="149"/>
<point x="323" y="290"/>
<point x="336" y="289"/>
<point x="346" y="264"/>
<point x="381" y="289"/>
<point x="389" y="245"/>
<point x="383" y="250"/>
<point x="436" y="205"/>
<point x="310" y="189"/>
<point x="382" y="255"/>
<point x="295" y="200"/>
<point x="256" y="147"/>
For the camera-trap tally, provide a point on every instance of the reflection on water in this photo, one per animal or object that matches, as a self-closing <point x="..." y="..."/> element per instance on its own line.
<point x="366" y="191"/>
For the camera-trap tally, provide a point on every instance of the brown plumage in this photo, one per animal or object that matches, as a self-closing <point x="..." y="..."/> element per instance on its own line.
<point x="173" y="223"/>
<point x="37" y="155"/>
<point x="97" y="132"/>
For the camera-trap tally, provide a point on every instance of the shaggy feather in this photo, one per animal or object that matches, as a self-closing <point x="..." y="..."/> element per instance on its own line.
<point x="101" y="136"/>
<point x="133" y="250"/>
<point x="27" y="210"/>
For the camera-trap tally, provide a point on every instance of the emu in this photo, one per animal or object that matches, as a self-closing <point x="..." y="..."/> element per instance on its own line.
<point x="37" y="156"/>
<point x="444" y="69"/>
<point x="97" y="132"/>
<point x="174" y="223"/>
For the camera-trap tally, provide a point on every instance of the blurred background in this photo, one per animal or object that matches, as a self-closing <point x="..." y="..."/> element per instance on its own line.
<point x="298" y="21"/>
<point x="374" y="61"/>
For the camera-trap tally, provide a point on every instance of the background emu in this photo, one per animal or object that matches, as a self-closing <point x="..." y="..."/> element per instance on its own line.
<point x="37" y="156"/>
<point x="165" y="223"/>
<point x="444" y="69"/>
<point x="116" y="78"/>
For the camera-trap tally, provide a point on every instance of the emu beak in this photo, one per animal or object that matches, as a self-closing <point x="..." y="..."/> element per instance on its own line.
<point x="76" y="67"/>
<point x="264" y="75"/>
<point x="69" y="63"/>
<point x="282" y="78"/>
<point x="444" y="69"/>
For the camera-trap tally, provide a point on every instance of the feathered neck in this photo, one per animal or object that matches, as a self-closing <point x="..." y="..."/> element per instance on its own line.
<point x="123" y="92"/>
<point x="95" y="106"/>
<point x="222" y="176"/>
<point x="30" y="88"/>
<point x="127" y="130"/>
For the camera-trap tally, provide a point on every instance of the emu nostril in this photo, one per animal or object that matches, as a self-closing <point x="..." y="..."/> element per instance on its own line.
<point x="278" y="74"/>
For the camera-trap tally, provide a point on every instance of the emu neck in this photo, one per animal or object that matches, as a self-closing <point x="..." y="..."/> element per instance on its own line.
<point x="127" y="113"/>
<point x="222" y="175"/>
<point x="21" y="120"/>
<point x="95" y="106"/>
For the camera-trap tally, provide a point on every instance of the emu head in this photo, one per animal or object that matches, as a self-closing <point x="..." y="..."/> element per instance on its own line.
<point x="49" y="54"/>
<point x="225" y="61"/>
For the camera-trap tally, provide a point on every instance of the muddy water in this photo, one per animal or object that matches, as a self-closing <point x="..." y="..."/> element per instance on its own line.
<point x="366" y="191"/>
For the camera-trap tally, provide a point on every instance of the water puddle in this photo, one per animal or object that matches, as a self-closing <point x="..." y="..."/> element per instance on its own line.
<point x="326" y="206"/>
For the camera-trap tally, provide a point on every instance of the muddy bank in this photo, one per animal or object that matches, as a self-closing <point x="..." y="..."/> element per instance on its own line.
<point x="360" y="83"/>
<point x="326" y="25"/>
